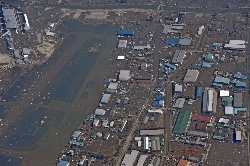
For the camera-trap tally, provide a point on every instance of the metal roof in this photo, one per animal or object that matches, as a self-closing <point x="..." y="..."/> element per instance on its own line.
<point x="63" y="163"/>
<point x="237" y="99"/>
<point x="141" y="160"/>
<point x="196" y="133"/>
<point x="224" y="93"/>
<point x="178" y="56"/>
<point x="240" y="85"/>
<point x="172" y="41"/>
<point x="182" y="122"/>
<point x="185" y="42"/>
<point x="16" y="53"/>
<point x="179" y="103"/>
<point x="178" y="88"/>
<point x="207" y="102"/>
<point x="228" y="110"/>
<point x="10" y="18"/>
<point x="125" y="32"/>
<point x="100" y="112"/>
<point x="152" y="132"/>
<point x="76" y="134"/>
<point x="239" y="76"/>
<point x="124" y="75"/>
<point x="26" y="51"/>
<point x="238" y="135"/>
<point x="201" y="118"/>
<point x="191" y="76"/>
<point x="105" y="98"/>
<point x="122" y="44"/>
<point x="129" y="159"/>
<point x="222" y="80"/>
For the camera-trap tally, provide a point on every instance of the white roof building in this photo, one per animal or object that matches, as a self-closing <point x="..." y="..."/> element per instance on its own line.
<point x="124" y="75"/>
<point x="122" y="44"/>
<point x="224" y="93"/>
<point x="155" y="111"/>
<point x="229" y="110"/>
<point x="207" y="101"/>
<point x="100" y="112"/>
<point x="145" y="143"/>
<point x="179" y="103"/>
<point x="139" y="143"/>
<point x="238" y="42"/>
<point x="223" y="120"/>
<point x="105" y="98"/>
<point x="120" y="57"/>
<point x="200" y="30"/>
<point x="238" y="135"/>
<point x="178" y="88"/>
<point x="113" y="85"/>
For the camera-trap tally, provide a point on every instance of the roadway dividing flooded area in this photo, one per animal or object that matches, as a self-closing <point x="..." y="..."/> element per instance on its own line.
<point x="44" y="106"/>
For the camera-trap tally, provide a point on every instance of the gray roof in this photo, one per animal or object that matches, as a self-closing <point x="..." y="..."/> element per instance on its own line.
<point x="105" y="98"/>
<point x="124" y="75"/>
<point x="178" y="88"/>
<point x="129" y="159"/>
<point x="191" y="76"/>
<point x="16" y="54"/>
<point x="179" y="103"/>
<point x="237" y="101"/>
<point x="18" y="61"/>
<point x="196" y="133"/>
<point x="185" y="42"/>
<point x="141" y="160"/>
<point x="178" y="56"/>
<point x="122" y="44"/>
<point x="152" y="132"/>
<point x="100" y="112"/>
<point x="10" y="18"/>
<point x="27" y="28"/>
<point x="155" y="161"/>
<point x="26" y="59"/>
<point x="26" y="51"/>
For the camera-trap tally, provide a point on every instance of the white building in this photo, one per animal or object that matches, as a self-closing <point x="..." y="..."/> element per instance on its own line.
<point x="200" y="30"/>
<point x="207" y="102"/>
<point x="124" y="75"/>
<point x="145" y="143"/>
<point x="122" y="44"/>
<point x="224" y="93"/>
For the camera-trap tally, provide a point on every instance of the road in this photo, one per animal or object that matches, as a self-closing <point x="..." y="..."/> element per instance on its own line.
<point x="154" y="7"/>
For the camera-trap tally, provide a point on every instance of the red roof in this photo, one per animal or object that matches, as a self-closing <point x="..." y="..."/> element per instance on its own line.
<point x="183" y="162"/>
<point x="201" y="126"/>
<point x="201" y="118"/>
<point x="144" y="81"/>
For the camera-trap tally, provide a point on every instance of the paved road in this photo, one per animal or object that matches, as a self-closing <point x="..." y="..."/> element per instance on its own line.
<point x="168" y="8"/>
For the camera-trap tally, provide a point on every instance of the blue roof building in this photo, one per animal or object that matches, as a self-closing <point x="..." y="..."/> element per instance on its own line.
<point x="222" y="80"/>
<point x="216" y="45"/>
<point x="106" y="80"/>
<point x="159" y="97"/>
<point x="155" y="103"/>
<point x="239" y="76"/>
<point x="168" y="65"/>
<point x="160" y="85"/>
<point x="217" y="85"/>
<point x="89" y="117"/>
<point x="124" y="32"/>
<point x="63" y="163"/>
<point x="172" y="41"/>
<point x="240" y="85"/>
<point x="194" y="66"/>
<point x="198" y="92"/>
<point x="207" y="65"/>
<point x="75" y="134"/>
<point x="74" y="142"/>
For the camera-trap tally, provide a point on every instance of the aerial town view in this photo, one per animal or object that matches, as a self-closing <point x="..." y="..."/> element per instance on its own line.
<point x="124" y="83"/>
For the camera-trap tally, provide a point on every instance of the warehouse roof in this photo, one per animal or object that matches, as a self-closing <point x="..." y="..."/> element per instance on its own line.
<point x="235" y="46"/>
<point x="141" y="160"/>
<point x="237" y="99"/>
<point x="229" y="110"/>
<point x="172" y="41"/>
<point x="185" y="42"/>
<point x="227" y="101"/>
<point x="239" y="76"/>
<point x="191" y="76"/>
<point x="182" y="122"/>
<point x="105" y="98"/>
<point x="179" y="103"/>
<point x="240" y="84"/>
<point x="239" y="42"/>
<point x="220" y="79"/>
<point x="100" y="112"/>
<point x="124" y="75"/>
<point x="129" y="159"/>
<point x="125" y="32"/>
<point x="224" y="93"/>
<point x="179" y="56"/>
<point x="201" y="118"/>
<point x="152" y="132"/>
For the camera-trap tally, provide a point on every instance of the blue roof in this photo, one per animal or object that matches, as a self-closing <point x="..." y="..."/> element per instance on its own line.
<point x="216" y="44"/>
<point x="155" y="103"/>
<point x="122" y="92"/>
<point x="217" y="85"/>
<point x="160" y="85"/>
<point x="125" y="32"/>
<point x="106" y="80"/>
<point x="180" y="15"/>
<point x="198" y="91"/>
<point x="172" y="41"/>
<point x="159" y="97"/>
<point x="76" y="134"/>
<point x="89" y="117"/>
<point x="111" y="129"/>
<point x="63" y="163"/>
<point x="74" y="142"/>
<point x="240" y="85"/>
<point x="194" y="65"/>
<point x="239" y="76"/>
<point x="168" y="65"/>
<point x="222" y="80"/>
<point x="207" y="65"/>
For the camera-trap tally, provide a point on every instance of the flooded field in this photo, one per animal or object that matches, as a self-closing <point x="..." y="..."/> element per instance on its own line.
<point x="68" y="88"/>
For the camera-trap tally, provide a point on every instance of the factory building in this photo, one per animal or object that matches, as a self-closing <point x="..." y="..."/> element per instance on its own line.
<point x="207" y="102"/>
<point x="179" y="56"/>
